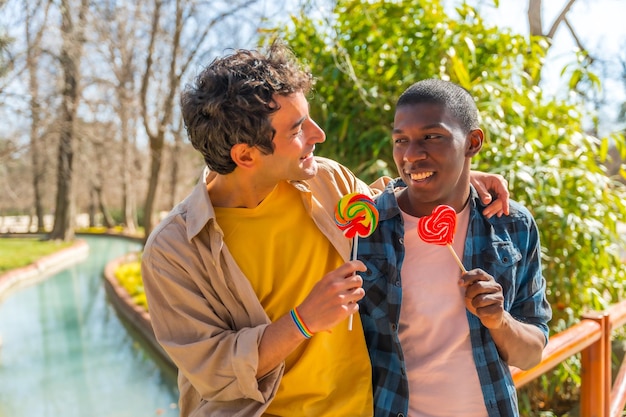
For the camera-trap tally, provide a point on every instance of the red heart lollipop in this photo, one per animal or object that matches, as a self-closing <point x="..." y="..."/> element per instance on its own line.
<point x="439" y="227"/>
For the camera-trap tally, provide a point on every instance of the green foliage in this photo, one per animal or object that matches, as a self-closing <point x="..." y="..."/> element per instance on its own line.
<point x="367" y="53"/>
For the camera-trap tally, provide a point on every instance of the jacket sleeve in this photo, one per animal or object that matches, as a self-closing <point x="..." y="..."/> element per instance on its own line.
<point x="202" y="324"/>
<point x="531" y="305"/>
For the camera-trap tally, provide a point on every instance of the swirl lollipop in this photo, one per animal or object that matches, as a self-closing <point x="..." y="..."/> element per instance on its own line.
<point x="439" y="228"/>
<point x="356" y="215"/>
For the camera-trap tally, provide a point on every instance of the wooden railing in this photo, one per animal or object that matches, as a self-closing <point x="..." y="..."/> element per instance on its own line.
<point x="592" y="339"/>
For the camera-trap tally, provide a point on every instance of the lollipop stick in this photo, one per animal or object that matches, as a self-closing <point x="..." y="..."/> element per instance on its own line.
<point x="355" y="246"/>
<point x="458" y="261"/>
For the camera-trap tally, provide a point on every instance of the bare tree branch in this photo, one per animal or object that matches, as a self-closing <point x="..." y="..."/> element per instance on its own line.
<point x="207" y="28"/>
<point x="559" y="19"/>
<point x="578" y="42"/>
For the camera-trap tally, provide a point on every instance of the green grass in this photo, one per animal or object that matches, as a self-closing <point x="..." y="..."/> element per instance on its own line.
<point x="19" y="252"/>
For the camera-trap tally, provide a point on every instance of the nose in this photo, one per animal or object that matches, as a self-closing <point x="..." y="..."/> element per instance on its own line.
<point x="314" y="133"/>
<point x="414" y="152"/>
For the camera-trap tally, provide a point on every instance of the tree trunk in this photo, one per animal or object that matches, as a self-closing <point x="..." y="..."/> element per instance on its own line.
<point x="35" y="153"/>
<point x="535" y="26"/>
<point x="71" y="53"/>
<point x="156" y="158"/>
<point x="128" y="202"/>
<point x="32" y="64"/>
<point x="157" y="136"/>
<point x="107" y="220"/>
<point x="92" y="207"/>
<point x="175" y="168"/>
<point x="64" y="208"/>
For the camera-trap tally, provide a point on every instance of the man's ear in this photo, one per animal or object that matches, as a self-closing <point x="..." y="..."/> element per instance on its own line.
<point x="475" y="142"/>
<point x="243" y="155"/>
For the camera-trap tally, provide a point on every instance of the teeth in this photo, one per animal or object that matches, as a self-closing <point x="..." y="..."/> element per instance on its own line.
<point x="421" y="176"/>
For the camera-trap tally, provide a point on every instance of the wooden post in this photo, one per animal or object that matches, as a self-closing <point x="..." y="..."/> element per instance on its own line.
<point x="596" y="371"/>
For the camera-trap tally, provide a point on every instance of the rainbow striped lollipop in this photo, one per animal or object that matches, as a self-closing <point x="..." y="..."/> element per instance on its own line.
<point x="356" y="215"/>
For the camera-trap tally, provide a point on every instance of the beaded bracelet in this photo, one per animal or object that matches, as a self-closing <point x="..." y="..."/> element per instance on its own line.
<point x="300" y="324"/>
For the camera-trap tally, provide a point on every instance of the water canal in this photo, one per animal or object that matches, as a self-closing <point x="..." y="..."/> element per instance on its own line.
<point x="65" y="352"/>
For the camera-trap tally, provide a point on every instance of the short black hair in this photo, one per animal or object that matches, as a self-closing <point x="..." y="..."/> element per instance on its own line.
<point x="454" y="98"/>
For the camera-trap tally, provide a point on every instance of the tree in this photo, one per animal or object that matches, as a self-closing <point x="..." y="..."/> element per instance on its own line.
<point x="366" y="53"/>
<point x="535" y="21"/>
<point x="72" y="28"/>
<point x="116" y="26"/>
<point x="166" y="42"/>
<point x="5" y="60"/>
<point x="121" y="64"/>
<point x="34" y="47"/>
<point x="583" y="79"/>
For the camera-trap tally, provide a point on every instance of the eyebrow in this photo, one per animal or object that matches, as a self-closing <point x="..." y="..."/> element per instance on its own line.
<point x="298" y="123"/>
<point x="431" y="126"/>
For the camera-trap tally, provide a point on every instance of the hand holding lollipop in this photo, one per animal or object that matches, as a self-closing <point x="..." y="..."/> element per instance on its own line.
<point x="356" y="215"/>
<point x="439" y="228"/>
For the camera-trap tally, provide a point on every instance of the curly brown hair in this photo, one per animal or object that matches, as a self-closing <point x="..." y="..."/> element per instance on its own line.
<point x="232" y="100"/>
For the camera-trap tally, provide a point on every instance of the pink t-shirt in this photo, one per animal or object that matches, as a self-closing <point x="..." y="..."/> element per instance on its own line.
<point x="434" y="332"/>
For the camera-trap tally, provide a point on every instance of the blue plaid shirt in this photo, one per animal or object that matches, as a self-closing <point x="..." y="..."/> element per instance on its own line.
<point x="506" y="248"/>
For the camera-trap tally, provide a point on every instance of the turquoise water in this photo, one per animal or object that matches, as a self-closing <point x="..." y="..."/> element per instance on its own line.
<point x="65" y="352"/>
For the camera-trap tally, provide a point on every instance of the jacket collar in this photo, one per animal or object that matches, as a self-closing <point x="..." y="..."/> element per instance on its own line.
<point x="200" y="210"/>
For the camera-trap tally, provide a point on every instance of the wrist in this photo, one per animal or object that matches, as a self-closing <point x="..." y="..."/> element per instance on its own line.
<point x="300" y="324"/>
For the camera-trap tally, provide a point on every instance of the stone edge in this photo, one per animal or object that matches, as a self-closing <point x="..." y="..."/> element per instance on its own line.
<point x="134" y="314"/>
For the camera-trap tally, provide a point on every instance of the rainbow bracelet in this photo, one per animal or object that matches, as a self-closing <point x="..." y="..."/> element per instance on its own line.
<point x="300" y="324"/>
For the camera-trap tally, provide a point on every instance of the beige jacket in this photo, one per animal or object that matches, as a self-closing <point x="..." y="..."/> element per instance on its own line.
<point x="203" y="309"/>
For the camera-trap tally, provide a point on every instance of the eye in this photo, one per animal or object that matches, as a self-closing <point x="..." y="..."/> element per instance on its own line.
<point x="433" y="136"/>
<point x="399" y="140"/>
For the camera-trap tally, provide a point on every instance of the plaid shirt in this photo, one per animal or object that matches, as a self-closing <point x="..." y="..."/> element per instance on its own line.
<point x="506" y="247"/>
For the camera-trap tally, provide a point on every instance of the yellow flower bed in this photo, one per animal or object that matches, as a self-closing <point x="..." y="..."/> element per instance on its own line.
<point x="129" y="276"/>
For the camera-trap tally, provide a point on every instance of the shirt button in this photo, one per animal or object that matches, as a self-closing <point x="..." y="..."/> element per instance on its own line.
<point x="397" y="283"/>
<point x="400" y="414"/>
<point x="394" y="327"/>
<point x="401" y="240"/>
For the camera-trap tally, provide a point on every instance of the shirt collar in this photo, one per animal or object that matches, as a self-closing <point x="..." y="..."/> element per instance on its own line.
<point x="387" y="204"/>
<point x="199" y="207"/>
